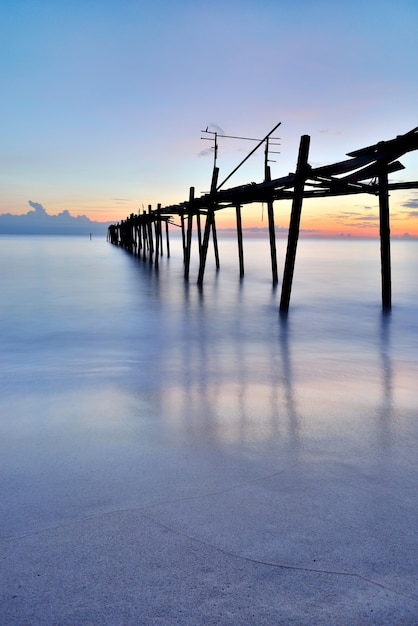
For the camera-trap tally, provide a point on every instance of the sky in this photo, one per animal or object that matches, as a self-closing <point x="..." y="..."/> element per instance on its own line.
<point x="103" y="101"/>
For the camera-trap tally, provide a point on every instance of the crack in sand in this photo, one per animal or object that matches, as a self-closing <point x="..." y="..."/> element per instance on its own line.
<point x="314" y="570"/>
<point x="147" y="506"/>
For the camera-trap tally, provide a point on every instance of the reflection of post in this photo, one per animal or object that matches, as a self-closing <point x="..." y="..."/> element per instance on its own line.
<point x="292" y="241"/>
<point x="239" y="235"/>
<point x="385" y="240"/>
<point x="289" y="393"/>
<point x="385" y="414"/>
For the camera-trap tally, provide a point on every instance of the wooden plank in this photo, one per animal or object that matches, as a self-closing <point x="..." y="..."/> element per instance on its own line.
<point x="342" y="167"/>
<point x="372" y="171"/>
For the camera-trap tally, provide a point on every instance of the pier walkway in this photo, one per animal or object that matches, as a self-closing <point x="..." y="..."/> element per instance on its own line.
<point x="365" y="171"/>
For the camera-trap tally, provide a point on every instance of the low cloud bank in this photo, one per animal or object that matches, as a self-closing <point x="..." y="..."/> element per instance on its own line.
<point x="39" y="222"/>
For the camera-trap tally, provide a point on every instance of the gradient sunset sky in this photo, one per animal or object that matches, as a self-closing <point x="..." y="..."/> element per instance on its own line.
<point x="103" y="101"/>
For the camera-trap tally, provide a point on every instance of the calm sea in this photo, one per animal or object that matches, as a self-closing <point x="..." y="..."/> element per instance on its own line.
<point x="100" y="355"/>
<point x="163" y="448"/>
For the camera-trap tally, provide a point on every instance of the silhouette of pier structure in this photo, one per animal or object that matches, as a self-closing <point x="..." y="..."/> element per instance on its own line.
<point x="365" y="171"/>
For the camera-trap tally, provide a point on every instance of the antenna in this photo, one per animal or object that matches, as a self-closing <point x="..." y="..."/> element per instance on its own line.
<point x="261" y="141"/>
<point x="215" y="139"/>
<point x="268" y="139"/>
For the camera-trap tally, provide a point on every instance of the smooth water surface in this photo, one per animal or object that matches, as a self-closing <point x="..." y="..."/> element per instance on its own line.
<point x="124" y="388"/>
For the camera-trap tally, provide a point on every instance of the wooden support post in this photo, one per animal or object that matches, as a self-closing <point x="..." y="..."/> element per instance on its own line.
<point x="215" y="241"/>
<point x="167" y="238"/>
<point x="239" y="235"/>
<point x="204" y="250"/>
<point x="199" y="231"/>
<point x="272" y="232"/>
<point x="150" y="237"/>
<point x="189" y="235"/>
<point x="292" y="241"/>
<point x="385" y="240"/>
<point x="157" y="241"/>
<point x="135" y="238"/>
<point x="144" y="233"/>
<point x="183" y="237"/>
<point x="159" y="229"/>
<point x="140" y="241"/>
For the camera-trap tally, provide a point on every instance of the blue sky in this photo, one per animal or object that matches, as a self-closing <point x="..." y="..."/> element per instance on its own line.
<point x="103" y="101"/>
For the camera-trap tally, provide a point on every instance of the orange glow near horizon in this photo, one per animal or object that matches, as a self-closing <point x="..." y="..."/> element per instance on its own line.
<point x="350" y="216"/>
<point x="324" y="219"/>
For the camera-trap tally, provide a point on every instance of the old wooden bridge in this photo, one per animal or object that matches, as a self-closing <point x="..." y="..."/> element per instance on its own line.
<point x="365" y="171"/>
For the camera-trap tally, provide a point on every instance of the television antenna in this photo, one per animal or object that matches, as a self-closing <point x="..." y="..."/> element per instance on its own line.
<point x="268" y="139"/>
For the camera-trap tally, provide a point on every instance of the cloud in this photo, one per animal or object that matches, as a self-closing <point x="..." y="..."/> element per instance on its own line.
<point x="412" y="203"/>
<point x="204" y="153"/>
<point x="216" y="129"/>
<point x="354" y="219"/>
<point x="39" y="222"/>
<point x="38" y="207"/>
<point x="328" y="131"/>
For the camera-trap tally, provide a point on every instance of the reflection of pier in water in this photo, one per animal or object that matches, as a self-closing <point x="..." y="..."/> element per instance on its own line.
<point x="255" y="392"/>
<point x="366" y="171"/>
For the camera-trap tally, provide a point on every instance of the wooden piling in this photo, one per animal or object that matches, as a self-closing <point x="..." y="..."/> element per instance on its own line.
<point x="167" y="238"/>
<point x="188" y="248"/>
<point x="183" y="236"/>
<point x="239" y="236"/>
<point x="215" y="241"/>
<point x="150" y="236"/>
<point x="272" y="235"/>
<point x="272" y="231"/>
<point x="204" y="250"/>
<point x="385" y="240"/>
<point x="157" y="242"/>
<point x="160" y="232"/>
<point x="199" y="232"/>
<point x="292" y="241"/>
<point x="144" y="234"/>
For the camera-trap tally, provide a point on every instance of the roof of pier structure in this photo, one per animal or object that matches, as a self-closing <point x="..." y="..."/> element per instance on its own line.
<point x="345" y="177"/>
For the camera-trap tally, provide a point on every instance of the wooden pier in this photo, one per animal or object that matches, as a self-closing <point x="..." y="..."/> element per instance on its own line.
<point x="366" y="171"/>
